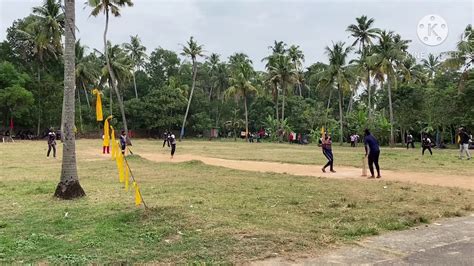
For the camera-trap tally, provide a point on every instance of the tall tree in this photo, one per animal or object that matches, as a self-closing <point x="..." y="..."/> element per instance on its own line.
<point x="214" y="61"/>
<point x="51" y="23"/>
<point x="193" y="50"/>
<point x="283" y="71"/>
<point x="43" y="36"/>
<point x="68" y="186"/>
<point x="363" y="32"/>
<point x="297" y="58"/>
<point x="241" y="85"/>
<point x="51" y="20"/>
<point x="137" y="53"/>
<point x="113" y="7"/>
<point x="463" y="58"/>
<point x="432" y="64"/>
<point x="388" y="56"/>
<point x="338" y="73"/>
<point x="278" y="48"/>
<point x="86" y="71"/>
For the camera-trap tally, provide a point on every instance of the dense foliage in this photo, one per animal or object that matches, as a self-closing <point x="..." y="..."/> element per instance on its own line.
<point x="383" y="87"/>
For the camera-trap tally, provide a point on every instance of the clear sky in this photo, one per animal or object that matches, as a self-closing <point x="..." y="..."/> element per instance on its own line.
<point x="250" y="26"/>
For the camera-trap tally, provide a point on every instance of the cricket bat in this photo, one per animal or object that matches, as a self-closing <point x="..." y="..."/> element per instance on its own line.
<point x="364" y="166"/>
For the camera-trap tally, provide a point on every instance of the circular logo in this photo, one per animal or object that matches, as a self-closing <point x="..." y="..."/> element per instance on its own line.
<point x="432" y="30"/>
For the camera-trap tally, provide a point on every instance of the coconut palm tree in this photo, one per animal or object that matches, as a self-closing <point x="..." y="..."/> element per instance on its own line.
<point x="86" y="71"/>
<point x="272" y="83"/>
<point x="68" y="186"/>
<point x="241" y="85"/>
<point x="193" y="50"/>
<point x="43" y="36"/>
<point x="388" y="56"/>
<point x="284" y="72"/>
<point x="214" y="61"/>
<point x="111" y="7"/>
<point x="51" y="20"/>
<point x="364" y="33"/>
<point x="121" y="65"/>
<point x="411" y="72"/>
<point x="463" y="58"/>
<point x="339" y="74"/>
<point x="137" y="52"/>
<point x="431" y="64"/>
<point x="297" y="58"/>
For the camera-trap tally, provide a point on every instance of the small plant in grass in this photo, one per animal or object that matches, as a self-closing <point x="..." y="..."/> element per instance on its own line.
<point x="456" y="213"/>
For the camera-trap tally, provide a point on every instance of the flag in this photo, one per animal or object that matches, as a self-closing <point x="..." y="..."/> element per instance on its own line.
<point x="138" y="196"/>
<point x="127" y="176"/>
<point x="120" y="168"/>
<point x="106" y="141"/>
<point x="98" y="105"/>
<point x="113" y="147"/>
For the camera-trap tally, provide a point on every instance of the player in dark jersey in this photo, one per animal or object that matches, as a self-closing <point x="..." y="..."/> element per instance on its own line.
<point x="372" y="151"/>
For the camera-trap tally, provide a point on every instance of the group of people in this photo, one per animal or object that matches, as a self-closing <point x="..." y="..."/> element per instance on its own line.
<point x="170" y="139"/>
<point x="354" y="138"/>
<point x="372" y="152"/>
<point x="372" y="149"/>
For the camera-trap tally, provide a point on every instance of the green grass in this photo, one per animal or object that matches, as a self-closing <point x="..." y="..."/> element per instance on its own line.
<point x="198" y="213"/>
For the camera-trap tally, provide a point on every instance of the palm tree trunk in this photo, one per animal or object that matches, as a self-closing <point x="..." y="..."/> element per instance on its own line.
<point x="369" y="92"/>
<point x="277" y="95"/>
<point x="210" y="93"/>
<point x="217" y="115"/>
<point x="135" y="85"/>
<point x="299" y="88"/>
<point x="63" y="112"/>
<point x="68" y="186"/>
<point x="80" y="110"/>
<point x="283" y="104"/>
<point x="392" y="137"/>
<point x="112" y="76"/>
<point x="189" y="100"/>
<point x="341" y="138"/>
<point x="351" y="99"/>
<point x="246" y="119"/>
<point x="87" y="96"/>
<point x="110" y="97"/>
<point x="327" y="107"/>
<point x="38" y="129"/>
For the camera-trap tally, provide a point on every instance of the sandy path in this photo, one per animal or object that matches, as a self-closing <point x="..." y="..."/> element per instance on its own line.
<point x="466" y="182"/>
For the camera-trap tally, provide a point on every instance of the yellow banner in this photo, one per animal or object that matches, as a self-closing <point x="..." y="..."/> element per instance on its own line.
<point x="98" y="105"/>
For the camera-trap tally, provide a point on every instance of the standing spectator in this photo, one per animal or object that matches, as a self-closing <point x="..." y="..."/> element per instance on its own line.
<point x="51" y="142"/>
<point x="123" y="141"/>
<point x="353" y="139"/>
<point x="464" y="143"/>
<point x="357" y="137"/>
<point x="410" y="141"/>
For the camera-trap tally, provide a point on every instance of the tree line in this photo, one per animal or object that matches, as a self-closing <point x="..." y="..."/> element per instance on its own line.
<point x="371" y="82"/>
